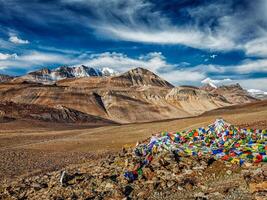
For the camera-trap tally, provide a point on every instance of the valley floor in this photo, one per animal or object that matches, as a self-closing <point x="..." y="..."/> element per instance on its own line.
<point x="28" y="148"/>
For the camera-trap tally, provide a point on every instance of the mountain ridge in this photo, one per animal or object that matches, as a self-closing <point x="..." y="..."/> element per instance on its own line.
<point x="137" y="95"/>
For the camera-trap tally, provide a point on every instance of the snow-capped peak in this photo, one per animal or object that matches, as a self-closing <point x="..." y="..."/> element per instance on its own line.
<point x="257" y="93"/>
<point x="84" y="71"/>
<point x="63" y="72"/>
<point x="212" y="85"/>
<point x="108" y="71"/>
<point x="210" y="82"/>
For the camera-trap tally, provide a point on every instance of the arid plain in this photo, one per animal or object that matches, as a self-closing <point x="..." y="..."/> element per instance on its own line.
<point x="32" y="147"/>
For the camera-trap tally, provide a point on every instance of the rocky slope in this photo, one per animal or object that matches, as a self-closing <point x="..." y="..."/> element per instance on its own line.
<point x="194" y="100"/>
<point x="166" y="178"/>
<point x="234" y="94"/>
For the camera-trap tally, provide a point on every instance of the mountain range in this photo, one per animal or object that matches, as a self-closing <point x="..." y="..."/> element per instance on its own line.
<point x="137" y="95"/>
<point x="47" y="76"/>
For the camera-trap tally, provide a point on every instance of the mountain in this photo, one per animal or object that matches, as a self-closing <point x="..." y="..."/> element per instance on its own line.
<point x="5" y="78"/>
<point x="208" y="87"/>
<point x="259" y="94"/>
<point x="233" y="94"/>
<point x="108" y="72"/>
<point x="47" y="76"/>
<point x="142" y="77"/>
<point x="137" y="95"/>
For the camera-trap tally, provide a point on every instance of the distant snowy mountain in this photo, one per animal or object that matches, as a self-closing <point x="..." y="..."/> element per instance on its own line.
<point x="258" y="93"/>
<point x="49" y="76"/>
<point x="209" y="83"/>
<point x="108" y="71"/>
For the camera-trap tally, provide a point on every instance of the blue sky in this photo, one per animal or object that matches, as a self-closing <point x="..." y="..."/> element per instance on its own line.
<point x="184" y="41"/>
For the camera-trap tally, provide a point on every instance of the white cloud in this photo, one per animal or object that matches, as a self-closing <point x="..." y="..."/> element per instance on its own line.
<point x="7" y="56"/>
<point x="185" y="36"/>
<point x="216" y="81"/>
<point x="153" y="61"/>
<point x="245" y="67"/>
<point x="16" y="40"/>
<point x="32" y="59"/>
<point x="251" y="66"/>
<point x="141" y="21"/>
<point x="215" y="26"/>
<point x="183" y="76"/>
<point x="41" y="57"/>
<point x="120" y="62"/>
<point x="256" y="91"/>
<point x="257" y="47"/>
<point x="257" y="83"/>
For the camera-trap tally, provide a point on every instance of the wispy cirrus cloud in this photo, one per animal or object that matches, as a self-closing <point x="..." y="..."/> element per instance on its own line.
<point x="210" y="25"/>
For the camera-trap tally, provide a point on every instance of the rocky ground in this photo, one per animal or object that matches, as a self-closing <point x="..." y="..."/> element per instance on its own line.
<point x="165" y="178"/>
<point x="33" y="156"/>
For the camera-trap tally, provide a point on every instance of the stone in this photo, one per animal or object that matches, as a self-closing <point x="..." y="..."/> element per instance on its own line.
<point x="148" y="174"/>
<point x="38" y="186"/>
<point x="199" y="195"/>
<point x="170" y="183"/>
<point x="258" y="187"/>
<point x="141" y="194"/>
<point x="128" y="190"/>
<point x="229" y="172"/>
<point x="109" y="186"/>
<point x="188" y="171"/>
<point x="180" y="188"/>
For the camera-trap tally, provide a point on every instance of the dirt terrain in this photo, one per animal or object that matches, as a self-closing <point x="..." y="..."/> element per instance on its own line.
<point x="28" y="147"/>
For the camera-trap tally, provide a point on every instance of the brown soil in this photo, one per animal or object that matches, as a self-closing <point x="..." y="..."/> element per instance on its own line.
<point x="28" y="147"/>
